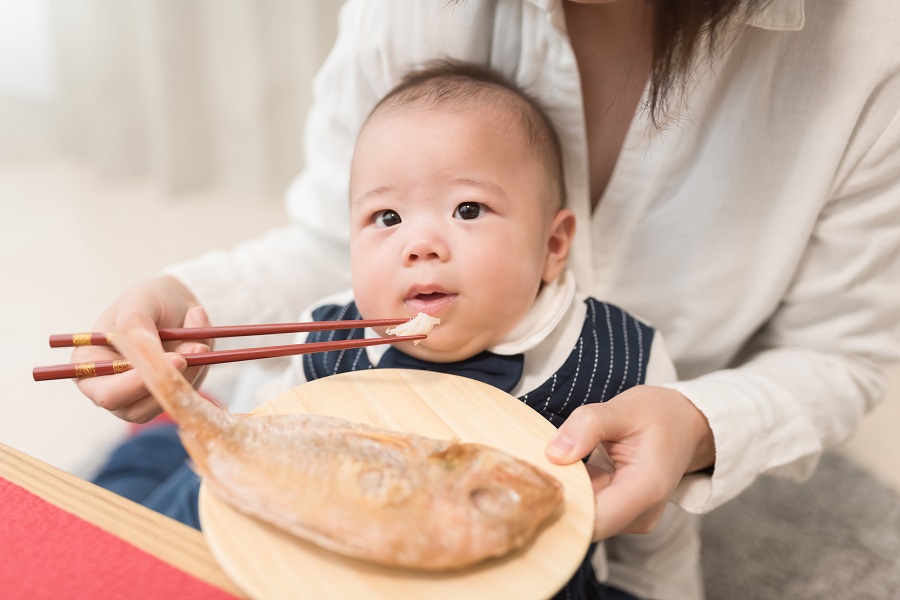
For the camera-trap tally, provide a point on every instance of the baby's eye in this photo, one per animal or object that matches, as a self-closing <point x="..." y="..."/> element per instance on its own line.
<point x="470" y="210"/>
<point x="386" y="218"/>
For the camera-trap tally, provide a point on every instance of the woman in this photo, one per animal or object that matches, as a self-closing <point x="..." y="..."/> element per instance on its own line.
<point x="747" y="205"/>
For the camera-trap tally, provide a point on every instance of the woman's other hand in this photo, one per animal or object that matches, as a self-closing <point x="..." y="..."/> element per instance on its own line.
<point x="158" y="303"/>
<point x="653" y="436"/>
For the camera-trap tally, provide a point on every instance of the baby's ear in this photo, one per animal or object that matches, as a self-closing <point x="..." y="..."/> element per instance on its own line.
<point x="559" y="240"/>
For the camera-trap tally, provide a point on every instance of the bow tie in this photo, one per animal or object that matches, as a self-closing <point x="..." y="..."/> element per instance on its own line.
<point x="498" y="370"/>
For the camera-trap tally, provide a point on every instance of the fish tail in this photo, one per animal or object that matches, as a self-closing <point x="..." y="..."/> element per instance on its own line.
<point x="167" y="385"/>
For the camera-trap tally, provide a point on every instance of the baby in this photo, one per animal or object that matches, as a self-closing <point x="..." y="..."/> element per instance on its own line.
<point x="457" y="210"/>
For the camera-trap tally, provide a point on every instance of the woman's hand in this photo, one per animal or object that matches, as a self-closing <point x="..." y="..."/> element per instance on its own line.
<point x="157" y="303"/>
<point x="652" y="436"/>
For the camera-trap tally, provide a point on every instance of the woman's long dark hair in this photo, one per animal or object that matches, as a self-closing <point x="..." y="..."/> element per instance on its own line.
<point x="680" y="29"/>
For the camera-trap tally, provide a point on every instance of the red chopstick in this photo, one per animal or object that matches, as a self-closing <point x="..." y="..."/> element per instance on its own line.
<point x="201" y="333"/>
<point x="110" y="367"/>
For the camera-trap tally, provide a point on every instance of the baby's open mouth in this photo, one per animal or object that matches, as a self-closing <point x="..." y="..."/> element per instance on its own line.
<point x="431" y="303"/>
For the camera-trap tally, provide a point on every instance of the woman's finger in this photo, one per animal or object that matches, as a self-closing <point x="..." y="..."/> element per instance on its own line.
<point x="140" y="411"/>
<point x="117" y="392"/>
<point x="195" y="317"/>
<point x="633" y="502"/>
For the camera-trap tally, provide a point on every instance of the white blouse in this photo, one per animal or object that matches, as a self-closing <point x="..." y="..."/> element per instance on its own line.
<point x="760" y="233"/>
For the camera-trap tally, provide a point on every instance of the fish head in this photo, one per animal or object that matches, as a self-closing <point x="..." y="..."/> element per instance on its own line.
<point x="497" y="486"/>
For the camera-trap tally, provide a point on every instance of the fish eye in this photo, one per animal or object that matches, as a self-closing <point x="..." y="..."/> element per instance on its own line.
<point x="495" y="501"/>
<point x="370" y="481"/>
<point x="469" y="210"/>
<point x="386" y="218"/>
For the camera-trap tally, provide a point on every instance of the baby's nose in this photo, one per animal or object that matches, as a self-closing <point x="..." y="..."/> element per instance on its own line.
<point x="427" y="247"/>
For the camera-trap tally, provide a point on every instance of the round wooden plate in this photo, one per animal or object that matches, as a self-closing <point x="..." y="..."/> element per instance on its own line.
<point x="266" y="562"/>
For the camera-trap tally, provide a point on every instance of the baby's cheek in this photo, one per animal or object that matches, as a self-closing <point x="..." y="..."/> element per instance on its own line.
<point x="510" y="275"/>
<point x="366" y="299"/>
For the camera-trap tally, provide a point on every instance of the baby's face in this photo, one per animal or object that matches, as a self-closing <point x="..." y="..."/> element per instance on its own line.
<point x="449" y="216"/>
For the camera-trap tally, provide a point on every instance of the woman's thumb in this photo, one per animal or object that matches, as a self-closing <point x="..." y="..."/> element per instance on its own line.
<point x="585" y="428"/>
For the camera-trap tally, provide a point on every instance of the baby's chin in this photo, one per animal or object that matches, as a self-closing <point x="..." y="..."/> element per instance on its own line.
<point x="440" y="351"/>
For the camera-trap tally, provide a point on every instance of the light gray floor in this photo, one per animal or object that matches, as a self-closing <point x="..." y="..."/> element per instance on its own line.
<point x="72" y="241"/>
<point x="836" y="536"/>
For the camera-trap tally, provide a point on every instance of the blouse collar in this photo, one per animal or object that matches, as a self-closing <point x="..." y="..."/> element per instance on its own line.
<point x="779" y="15"/>
<point x="776" y="15"/>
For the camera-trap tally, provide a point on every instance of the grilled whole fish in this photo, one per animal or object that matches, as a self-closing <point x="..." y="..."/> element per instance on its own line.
<point x="388" y="497"/>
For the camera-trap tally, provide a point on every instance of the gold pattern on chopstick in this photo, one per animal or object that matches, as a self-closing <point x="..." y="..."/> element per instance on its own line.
<point x="87" y="369"/>
<point x="81" y="339"/>
<point x="120" y="366"/>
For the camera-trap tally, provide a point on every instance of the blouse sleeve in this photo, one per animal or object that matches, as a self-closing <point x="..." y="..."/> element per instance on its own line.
<point x="815" y="368"/>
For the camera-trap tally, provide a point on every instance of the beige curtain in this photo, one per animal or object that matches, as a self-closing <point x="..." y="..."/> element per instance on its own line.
<point x="188" y="92"/>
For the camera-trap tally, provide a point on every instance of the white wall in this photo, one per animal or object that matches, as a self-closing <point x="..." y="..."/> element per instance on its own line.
<point x="187" y="93"/>
<point x="27" y="67"/>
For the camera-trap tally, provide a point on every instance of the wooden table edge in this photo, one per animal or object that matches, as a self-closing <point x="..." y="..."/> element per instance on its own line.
<point x="174" y="543"/>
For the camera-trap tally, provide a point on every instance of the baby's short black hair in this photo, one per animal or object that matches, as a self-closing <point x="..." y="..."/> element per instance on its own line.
<point x="457" y="84"/>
